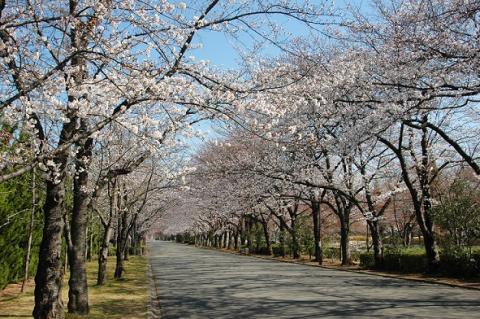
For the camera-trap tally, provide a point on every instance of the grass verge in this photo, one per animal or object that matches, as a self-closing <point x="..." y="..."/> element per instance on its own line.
<point x="125" y="298"/>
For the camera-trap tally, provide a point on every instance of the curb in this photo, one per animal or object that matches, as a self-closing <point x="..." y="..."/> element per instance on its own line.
<point x="358" y="271"/>
<point x="153" y="305"/>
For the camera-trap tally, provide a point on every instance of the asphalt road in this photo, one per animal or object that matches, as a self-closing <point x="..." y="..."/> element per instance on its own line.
<point x="200" y="283"/>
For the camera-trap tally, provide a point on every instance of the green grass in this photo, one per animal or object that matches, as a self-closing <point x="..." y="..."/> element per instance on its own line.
<point x="412" y="250"/>
<point x="126" y="298"/>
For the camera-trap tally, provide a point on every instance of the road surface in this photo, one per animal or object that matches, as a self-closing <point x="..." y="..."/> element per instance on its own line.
<point x="200" y="283"/>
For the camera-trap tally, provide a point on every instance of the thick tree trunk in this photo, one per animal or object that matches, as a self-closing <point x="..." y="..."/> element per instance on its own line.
<point x="429" y="239"/>
<point x="376" y="243"/>
<point x="293" y="233"/>
<point x="345" y="239"/>
<point x="431" y="250"/>
<point x="78" y="290"/>
<point x="48" y="280"/>
<point x="317" y="232"/>
<point x="119" y="263"/>
<point x="235" y="242"/>
<point x="120" y="247"/>
<point x="266" y="235"/>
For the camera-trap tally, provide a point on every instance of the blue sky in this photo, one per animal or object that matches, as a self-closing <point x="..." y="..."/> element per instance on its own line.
<point x="219" y="48"/>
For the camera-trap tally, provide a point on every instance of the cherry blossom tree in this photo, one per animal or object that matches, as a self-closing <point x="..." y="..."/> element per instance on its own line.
<point x="70" y="69"/>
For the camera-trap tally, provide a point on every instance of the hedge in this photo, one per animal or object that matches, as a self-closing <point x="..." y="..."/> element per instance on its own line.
<point x="460" y="265"/>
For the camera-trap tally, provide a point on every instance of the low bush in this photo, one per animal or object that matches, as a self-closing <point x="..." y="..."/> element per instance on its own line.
<point x="367" y="260"/>
<point x="404" y="261"/>
<point x="459" y="264"/>
<point x="277" y="250"/>
<point x="355" y="255"/>
<point x="331" y="253"/>
<point x="263" y="250"/>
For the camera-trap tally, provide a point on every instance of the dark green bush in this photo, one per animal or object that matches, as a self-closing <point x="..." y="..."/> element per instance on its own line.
<point x="404" y="261"/>
<point x="277" y="250"/>
<point x="460" y="264"/>
<point x="262" y="251"/>
<point x="367" y="260"/>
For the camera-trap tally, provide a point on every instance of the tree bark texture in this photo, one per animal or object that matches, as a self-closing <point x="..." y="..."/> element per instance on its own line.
<point x="78" y="289"/>
<point x="49" y="277"/>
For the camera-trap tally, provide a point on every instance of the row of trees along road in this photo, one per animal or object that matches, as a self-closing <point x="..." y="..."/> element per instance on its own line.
<point x="387" y="112"/>
<point x="107" y="94"/>
<point x="362" y="111"/>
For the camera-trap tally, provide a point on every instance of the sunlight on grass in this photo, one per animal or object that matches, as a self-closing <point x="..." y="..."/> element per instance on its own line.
<point x="126" y="298"/>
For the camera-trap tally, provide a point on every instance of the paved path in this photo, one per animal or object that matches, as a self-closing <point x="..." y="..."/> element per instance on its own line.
<point x="200" y="283"/>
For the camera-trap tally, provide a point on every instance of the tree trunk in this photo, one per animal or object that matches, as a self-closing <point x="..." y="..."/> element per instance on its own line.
<point x="103" y="256"/>
<point x="266" y="235"/>
<point x="119" y="264"/>
<point x="122" y="232"/>
<point x="249" y="235"/>
<point x="235" y="242"/>
<point x="293" y="233"/>
<point x="78" y="290"/>
<point x="242" y="239"/>
<point x="317" y="232"/>
<point x="431" y="249"/>
<point x="407" y="235"/>
<point x="422" y="212"/>
<point x="344" y="239"/>
<point x="427" y="227"/>
<point x="126" y="251"/>
<point x="376" y="243"/>
<point x="49" y="277"/>
<point x="282" y="240"/>
<point x="228" y="239"/>
<point x="258" y="239"/>
<point x="120" y="247"/>
<point x="223" y="240"/>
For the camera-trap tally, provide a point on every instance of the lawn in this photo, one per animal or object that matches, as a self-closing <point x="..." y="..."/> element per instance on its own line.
<point x="126" y="298"/>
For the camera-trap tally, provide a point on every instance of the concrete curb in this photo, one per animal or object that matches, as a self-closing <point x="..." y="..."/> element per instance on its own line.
<point x="358" y="271"/>
<point x="153" y="306"/>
